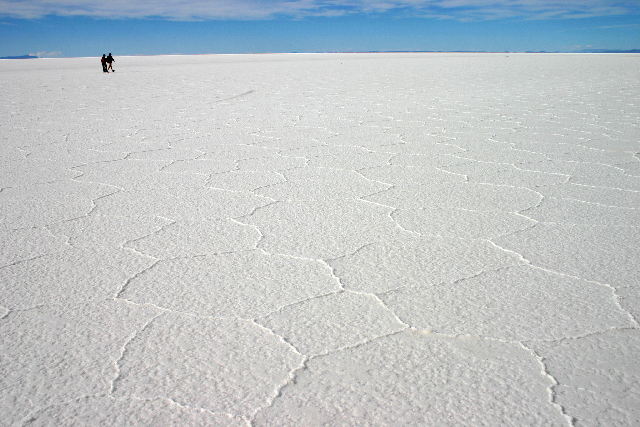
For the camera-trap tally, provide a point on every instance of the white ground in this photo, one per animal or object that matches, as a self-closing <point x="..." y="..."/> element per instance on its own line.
<point x="307" y="240"/>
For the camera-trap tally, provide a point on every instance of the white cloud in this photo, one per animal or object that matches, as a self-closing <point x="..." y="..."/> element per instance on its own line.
<point x="267" y="9"/>
<point x="42" y="54"/>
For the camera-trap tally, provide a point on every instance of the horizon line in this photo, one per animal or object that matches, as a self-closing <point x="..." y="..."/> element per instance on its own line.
<point x="582" y="51"/>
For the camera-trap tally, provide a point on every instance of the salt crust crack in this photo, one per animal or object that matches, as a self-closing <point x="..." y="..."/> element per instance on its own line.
<point x="293" y="375"/>
<point x="550" y="390"/>
<point x="125" y="285"/>
<point x="123" y="352"/>
<point x="33" y="415"/>
<point x="532" y="264"/>
<point x="291" y="382"/>
<point x="18" y="262"/>
<point x="198" y="409"/>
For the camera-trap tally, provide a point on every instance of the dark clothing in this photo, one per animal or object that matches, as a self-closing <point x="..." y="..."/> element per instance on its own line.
<point x="104" y="64"/>
<point x="109" y="61"/>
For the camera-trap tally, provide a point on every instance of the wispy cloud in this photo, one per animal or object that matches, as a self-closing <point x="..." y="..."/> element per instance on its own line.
<point x="42" y="54"/>
<point x="267" y="9"/>
<point x="601" y="27"/>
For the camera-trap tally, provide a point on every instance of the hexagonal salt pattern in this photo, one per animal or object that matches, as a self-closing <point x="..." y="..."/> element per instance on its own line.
<point x="399" y="239"/>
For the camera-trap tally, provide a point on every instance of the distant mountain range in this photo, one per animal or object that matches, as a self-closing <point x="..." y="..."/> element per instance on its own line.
<point x="19" y="57"/>
<point x="609" y="51"/>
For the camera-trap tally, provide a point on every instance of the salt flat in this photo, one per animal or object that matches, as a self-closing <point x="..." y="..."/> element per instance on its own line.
<point x="321" y="240"/>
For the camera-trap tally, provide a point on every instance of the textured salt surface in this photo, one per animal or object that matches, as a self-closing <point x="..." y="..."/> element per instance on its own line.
<point x="307" y="240"/>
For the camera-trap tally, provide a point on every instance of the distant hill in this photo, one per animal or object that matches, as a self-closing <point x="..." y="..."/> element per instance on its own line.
<point x="609" y="51"/>
<point x="19" y="57"/>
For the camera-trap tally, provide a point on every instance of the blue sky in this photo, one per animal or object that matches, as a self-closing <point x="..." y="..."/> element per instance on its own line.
<point x="132" y="27"/>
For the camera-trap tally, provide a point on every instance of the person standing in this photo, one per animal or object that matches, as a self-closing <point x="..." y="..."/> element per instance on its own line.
<point x="104" y="63"/>
<point x="109" y="61"/>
